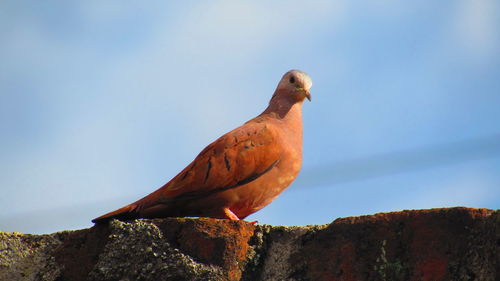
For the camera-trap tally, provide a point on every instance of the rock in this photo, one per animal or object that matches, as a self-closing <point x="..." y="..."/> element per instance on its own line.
<point x="437" y="244"/>
<point x="28" y="257"/>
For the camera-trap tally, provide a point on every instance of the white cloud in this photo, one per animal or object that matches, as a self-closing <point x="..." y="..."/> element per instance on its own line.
<point x="240" y="29"/>
<point x="476" y="28"/>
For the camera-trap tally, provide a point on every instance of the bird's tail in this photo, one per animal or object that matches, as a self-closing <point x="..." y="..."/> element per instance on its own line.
<point x="125" y="213"/>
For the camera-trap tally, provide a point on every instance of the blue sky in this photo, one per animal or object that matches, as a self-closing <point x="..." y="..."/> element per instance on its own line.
<point x="101" y="102"/>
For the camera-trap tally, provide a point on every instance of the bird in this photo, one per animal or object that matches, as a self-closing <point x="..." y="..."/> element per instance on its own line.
<point x="239" y="173"/>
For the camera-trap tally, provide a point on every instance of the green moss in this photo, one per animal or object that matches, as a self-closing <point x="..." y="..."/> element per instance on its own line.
<point x="389" y="270"/>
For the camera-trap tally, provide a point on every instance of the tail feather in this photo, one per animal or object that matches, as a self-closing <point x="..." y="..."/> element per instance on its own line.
<point x="125" y="213"/>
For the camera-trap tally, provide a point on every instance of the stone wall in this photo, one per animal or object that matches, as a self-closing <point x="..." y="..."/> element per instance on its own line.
<point x="436" y="244"/>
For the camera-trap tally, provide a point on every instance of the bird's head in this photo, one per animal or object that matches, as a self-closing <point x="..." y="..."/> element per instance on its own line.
<point x="296" y="83"/>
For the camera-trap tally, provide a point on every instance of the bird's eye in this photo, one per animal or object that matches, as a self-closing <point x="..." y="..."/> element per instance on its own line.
<point x="292" y="79"/>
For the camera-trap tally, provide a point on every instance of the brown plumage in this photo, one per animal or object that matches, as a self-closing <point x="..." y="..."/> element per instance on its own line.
<point x="242" y="171"/>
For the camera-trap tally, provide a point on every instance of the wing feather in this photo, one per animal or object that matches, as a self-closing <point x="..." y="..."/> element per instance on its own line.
<point x="234" y="158"/>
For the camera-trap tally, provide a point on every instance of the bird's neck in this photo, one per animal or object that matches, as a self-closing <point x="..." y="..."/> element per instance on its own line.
<point x="284" y="106"/>
<point x="288" y="113"/>
<point x="286" y="109"/>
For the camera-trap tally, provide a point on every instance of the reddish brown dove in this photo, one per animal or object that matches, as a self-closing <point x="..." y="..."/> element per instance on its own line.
<point x="242" y="171"/>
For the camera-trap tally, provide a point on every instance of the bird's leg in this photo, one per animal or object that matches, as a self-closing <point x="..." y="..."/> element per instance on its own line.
<point x="230" y="215"/>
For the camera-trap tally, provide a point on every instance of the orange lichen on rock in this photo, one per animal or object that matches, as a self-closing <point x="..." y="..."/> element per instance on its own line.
<point x="431" y="269"/>
<point x="223" y="243"/>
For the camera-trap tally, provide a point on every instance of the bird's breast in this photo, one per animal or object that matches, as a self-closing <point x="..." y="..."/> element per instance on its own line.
<point x="251" y="197"/>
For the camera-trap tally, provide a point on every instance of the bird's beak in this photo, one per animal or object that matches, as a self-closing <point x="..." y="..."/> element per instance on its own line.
<point x="307" y="94"/>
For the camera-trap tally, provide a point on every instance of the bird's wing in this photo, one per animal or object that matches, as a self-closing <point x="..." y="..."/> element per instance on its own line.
<point x="234" y="159"/>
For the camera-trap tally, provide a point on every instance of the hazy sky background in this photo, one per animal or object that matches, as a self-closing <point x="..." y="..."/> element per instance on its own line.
<point x="102" y="102"/>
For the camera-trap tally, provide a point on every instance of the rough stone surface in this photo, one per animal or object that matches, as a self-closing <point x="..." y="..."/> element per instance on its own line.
<point x="437" y="244"/>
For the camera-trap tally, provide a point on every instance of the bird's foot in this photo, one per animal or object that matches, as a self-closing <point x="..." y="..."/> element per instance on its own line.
<point x="230" y="215"/>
